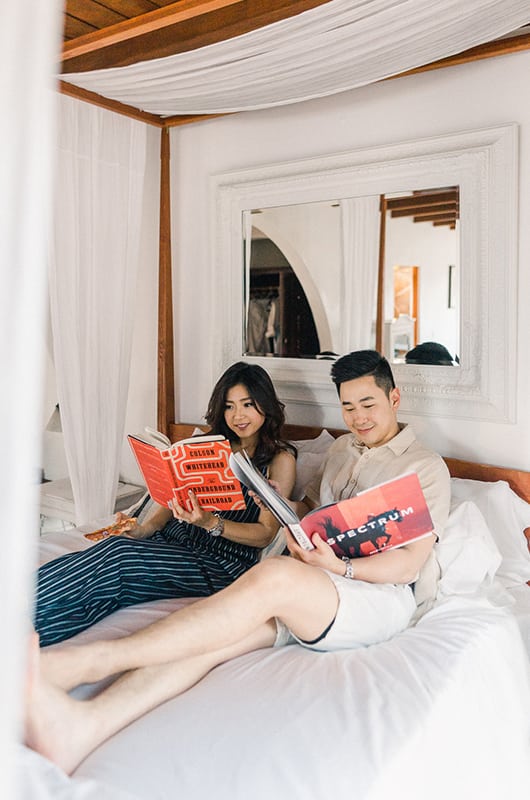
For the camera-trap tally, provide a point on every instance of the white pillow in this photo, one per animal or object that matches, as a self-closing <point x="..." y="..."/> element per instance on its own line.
<point x="311" y="454"/>
<point x="466" y="552"/>
<point x="507" y="515"/>
<point x="320" y="444"/>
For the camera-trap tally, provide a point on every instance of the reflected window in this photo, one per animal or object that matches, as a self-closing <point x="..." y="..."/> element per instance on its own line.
<point x="421" y="289"/>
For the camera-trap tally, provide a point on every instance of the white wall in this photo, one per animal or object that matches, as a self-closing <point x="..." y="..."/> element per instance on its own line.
<point x="480" y="94"/>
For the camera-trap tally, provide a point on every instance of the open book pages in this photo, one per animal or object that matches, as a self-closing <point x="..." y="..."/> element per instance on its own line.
<point x="152" y="436"/>
<point x="244" y="470"/>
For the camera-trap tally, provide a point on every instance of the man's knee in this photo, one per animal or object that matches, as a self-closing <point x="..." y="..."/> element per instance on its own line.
<point x="274" y="574"/>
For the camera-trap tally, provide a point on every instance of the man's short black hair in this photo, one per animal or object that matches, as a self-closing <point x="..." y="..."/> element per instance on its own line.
<point x="429" y="353"/>
<point x="361" y="363"/>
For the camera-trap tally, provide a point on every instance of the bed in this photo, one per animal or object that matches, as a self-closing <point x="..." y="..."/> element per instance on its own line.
<point x="442" y="710"/>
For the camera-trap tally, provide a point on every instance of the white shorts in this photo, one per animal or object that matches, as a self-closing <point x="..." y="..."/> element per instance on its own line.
<point x="368" y="613"/>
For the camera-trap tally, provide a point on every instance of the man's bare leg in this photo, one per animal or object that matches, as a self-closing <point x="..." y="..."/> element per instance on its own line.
<point x="305" y="598"/>
<point x="67" y="730"/>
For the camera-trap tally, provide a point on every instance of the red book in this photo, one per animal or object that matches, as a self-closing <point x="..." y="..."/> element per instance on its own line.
<point x="381" y="518"/>
<point x="200" y="463"/>
<point x="389" y="515"/>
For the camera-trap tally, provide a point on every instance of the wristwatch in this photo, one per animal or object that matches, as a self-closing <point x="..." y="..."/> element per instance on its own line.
<point x="349" y="573"/>
<point x="219" y="527"/>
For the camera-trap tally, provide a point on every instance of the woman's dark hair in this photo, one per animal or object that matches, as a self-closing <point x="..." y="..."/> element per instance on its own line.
<point x="361" y="363"/>
<point x="261" y="390"/>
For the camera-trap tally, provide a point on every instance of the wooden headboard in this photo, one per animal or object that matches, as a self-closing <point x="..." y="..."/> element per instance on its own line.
<point x="519" y="480"/>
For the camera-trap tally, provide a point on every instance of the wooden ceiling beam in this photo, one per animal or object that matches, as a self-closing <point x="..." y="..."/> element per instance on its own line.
<point x="176" y="28"/>
<point x="428" y="209"/>
<point x="419" y="200"/>
<point x="434" y="218"/>
<point x="138" y="26"/>
<point x="92" y="16"/>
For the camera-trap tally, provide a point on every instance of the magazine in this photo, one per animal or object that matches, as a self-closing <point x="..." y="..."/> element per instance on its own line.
<point x="381" y="518"/>
<point x="200" y="463"/>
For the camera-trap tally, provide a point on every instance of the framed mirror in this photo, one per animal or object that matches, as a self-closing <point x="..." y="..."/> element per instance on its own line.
<point x="296" y="258"/>
<point x="340" y="234"/>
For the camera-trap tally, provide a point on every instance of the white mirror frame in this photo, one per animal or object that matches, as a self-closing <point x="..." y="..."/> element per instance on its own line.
<point x="483" y="163"/>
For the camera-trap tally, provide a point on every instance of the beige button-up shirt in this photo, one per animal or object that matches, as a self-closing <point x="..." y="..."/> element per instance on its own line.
<point x="350" y="467"/>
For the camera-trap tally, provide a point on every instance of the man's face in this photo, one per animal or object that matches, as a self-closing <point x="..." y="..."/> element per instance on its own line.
<point x="368" y="412"/>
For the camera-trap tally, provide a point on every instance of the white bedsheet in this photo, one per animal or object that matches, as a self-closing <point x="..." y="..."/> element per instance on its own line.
<point x="521" y="611"/>
<point x="444" y="705"/>
<point x="441" y="711"/>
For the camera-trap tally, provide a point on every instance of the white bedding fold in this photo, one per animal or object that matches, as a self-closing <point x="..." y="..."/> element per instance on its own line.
<point x="449" y="698"/>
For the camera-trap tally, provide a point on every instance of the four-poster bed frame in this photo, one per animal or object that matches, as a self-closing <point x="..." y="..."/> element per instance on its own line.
<point x="183" y="26"/>
<point x="456" y="679"/>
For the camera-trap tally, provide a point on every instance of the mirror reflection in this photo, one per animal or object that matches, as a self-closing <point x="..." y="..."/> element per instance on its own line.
<point x="330" y="277"/>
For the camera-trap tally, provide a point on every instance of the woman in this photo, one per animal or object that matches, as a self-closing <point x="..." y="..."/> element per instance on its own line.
<point x="178" y="553"/>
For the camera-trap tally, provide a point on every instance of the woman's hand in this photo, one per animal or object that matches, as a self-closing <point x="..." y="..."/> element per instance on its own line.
<point x="128" y="527"/>
<point x="322" y="556"/>
<point x="197" y="516"/>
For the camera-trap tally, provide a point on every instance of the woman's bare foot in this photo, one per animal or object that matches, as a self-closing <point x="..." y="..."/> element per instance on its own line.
<point x="57" y="726"/>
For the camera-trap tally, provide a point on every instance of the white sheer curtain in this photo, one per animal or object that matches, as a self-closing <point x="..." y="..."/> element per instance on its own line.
<point x="93" y="272"/>
<point x="337" y="46"/>
<point x="29" y="41"/>
<point x="360" y="221"/>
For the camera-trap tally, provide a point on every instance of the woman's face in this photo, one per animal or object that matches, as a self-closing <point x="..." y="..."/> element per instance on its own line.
<point x="242" y="415"/>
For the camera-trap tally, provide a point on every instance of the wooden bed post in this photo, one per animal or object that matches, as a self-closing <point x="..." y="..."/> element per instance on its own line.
<point x="166" y="378"/>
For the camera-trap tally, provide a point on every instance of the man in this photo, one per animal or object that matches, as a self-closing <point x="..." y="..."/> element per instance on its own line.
<point x="315" y="598"/>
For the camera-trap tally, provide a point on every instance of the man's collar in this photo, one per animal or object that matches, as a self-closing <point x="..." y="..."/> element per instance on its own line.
<point x="401" y="440"/>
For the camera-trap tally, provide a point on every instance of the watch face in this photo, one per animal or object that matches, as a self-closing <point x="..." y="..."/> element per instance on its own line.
<point x="218" y="529"/>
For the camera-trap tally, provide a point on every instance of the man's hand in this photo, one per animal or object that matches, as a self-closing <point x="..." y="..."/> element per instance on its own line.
<point x="322" y="556"/>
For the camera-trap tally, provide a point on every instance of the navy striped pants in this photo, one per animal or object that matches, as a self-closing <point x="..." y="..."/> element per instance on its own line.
<point x="78" y="589"/>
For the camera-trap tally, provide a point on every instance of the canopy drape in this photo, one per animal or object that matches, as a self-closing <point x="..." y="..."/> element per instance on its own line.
<point x="93" y="275"/>
<point x="340" y="45"/>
